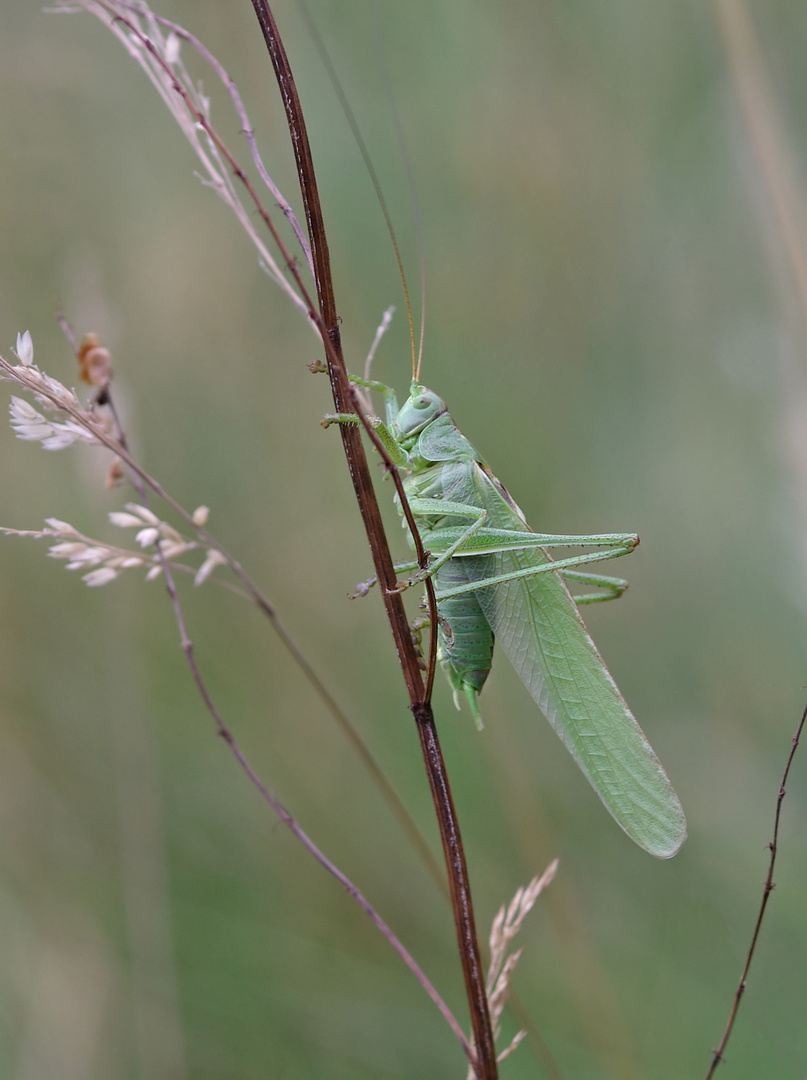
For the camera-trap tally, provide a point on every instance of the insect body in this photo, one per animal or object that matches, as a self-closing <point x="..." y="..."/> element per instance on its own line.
<point x="494" y="577"/>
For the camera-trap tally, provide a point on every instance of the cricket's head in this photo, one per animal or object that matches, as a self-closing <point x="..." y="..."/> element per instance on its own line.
<point x="420" y="408"/>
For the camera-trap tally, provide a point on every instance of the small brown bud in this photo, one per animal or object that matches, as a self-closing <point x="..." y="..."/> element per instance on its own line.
<point x="94" y="361"/>
<point x="114" y="473"/>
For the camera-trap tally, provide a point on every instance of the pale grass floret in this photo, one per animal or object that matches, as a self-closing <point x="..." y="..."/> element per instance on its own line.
<point x="147" y="537"/>
<point x="25" y="349"/>
<point x="171" y="54"/>
<point x="100" y="577"/>
<point x="214" y="559"/>
<point x="505" y="926"/>
<point x="139" y="514"/>
<point x="124" y="521"/>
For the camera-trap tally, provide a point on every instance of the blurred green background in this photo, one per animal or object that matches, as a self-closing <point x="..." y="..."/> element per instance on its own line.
<point x="610" y="200"/>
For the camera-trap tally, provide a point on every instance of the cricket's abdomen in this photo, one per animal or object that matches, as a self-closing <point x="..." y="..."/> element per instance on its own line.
<point x="464" y="637"/>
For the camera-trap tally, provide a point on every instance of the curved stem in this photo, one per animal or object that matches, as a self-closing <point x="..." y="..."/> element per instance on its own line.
<point x="485" y="1064"/>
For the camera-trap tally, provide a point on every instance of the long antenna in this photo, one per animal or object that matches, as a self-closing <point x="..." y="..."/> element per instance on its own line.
<point x="368" y="163"/>
<point x="410" y="182"/>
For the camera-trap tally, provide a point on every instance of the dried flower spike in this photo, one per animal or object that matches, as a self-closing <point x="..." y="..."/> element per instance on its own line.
<point x="506" y="925"/>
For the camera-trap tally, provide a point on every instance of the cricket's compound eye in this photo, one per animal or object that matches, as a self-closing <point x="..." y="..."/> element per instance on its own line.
<point x="421" y="408"/>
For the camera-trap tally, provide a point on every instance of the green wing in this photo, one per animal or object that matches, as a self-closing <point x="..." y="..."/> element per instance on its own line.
<point x="537" y="624"/>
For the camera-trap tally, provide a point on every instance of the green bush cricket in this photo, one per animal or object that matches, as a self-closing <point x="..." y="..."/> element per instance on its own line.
<point x="494" y="579"/>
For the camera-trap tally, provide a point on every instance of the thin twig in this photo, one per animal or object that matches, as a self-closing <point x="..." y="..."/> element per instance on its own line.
<point x="767" y="889"/>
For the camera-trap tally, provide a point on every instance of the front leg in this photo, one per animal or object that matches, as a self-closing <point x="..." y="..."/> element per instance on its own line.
<point x="391" y="409"/>
<point x="398" y="455"/>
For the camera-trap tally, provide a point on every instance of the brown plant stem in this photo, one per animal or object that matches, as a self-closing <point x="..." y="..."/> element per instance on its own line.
<point x="485" y="1065"/>
<point x="421" y="554"/>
